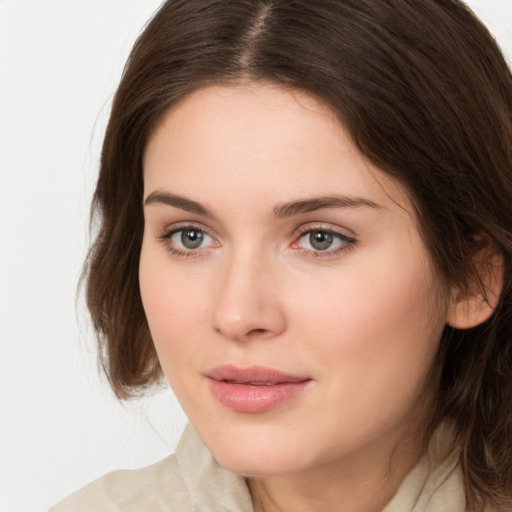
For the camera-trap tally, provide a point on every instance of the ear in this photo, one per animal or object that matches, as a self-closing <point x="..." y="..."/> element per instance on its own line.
<point x="476" y="303"/>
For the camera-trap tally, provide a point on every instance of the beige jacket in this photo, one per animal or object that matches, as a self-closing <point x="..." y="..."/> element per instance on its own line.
<point x="191" y="481"/>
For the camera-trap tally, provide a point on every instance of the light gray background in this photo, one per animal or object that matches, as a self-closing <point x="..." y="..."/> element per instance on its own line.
<point x="60" y="427"/>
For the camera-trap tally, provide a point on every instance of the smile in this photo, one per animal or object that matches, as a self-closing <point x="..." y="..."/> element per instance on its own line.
<point x="254" y="389"/>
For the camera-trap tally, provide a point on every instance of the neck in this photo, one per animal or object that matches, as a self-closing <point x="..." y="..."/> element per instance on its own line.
<point x="362" y="482"/>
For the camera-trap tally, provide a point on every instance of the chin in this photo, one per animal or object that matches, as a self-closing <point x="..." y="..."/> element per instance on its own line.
<point x="256" y="462"/>
<point x="253" y="451"/>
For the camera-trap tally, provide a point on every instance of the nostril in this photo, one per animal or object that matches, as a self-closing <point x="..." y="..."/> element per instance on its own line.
<point x="256" y="331"/>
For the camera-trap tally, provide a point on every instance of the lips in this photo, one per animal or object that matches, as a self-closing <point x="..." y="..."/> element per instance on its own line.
<point x="254" y="389"/>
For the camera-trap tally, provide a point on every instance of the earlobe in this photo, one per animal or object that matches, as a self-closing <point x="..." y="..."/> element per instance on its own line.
<point x="476" y="303"/>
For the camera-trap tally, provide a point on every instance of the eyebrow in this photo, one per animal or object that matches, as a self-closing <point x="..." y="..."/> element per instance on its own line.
<point x="322" y="203"/>
<point x="160" y="197"/>
<point x="280" y="211"/>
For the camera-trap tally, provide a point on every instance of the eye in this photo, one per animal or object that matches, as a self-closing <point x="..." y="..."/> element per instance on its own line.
<point x="324" y="241"/>
<point x="190" y="238"/>
<point x="320" y="240"/>
<point x="187" y="241"/>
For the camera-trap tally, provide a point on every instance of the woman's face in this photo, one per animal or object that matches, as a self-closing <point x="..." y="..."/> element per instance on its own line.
<point x="289" y="295"/>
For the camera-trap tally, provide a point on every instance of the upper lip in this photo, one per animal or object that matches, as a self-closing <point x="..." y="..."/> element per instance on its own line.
<point x="253" y="375"/>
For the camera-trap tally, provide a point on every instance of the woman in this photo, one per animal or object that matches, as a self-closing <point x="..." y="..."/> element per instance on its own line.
<point x="305" y="224"/>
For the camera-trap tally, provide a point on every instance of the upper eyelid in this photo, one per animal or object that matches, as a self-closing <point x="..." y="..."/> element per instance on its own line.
<point x="297" y="232"/>
<point x="179" y="226"/>
<point x="343" y="237"/>
<point x="324" y="226"/>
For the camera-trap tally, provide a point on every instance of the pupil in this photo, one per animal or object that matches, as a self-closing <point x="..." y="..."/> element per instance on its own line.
<point x="191" y="238"/>
<point x="321" y="240"/>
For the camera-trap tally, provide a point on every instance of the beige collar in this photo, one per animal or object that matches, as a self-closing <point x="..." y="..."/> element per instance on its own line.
<point x="434" y="485"/>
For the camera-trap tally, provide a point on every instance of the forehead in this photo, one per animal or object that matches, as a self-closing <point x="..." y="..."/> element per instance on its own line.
<point x="260" y="139"/>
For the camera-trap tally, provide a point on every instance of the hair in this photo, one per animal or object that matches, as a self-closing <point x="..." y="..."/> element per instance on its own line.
<point x="426" y="96"/>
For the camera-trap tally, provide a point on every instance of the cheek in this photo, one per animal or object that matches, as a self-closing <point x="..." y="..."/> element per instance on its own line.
<point x="373" y="306"/>
<point x="175" y="310"/>
<point x="377" y="331"/>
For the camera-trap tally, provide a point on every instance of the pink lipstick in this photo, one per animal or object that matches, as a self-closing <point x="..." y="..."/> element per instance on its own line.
<point x="254" y="389"/>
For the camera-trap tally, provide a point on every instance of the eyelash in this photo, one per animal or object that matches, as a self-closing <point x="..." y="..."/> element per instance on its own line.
<point x="167" y="235"/>
<point x="346" y="242"/>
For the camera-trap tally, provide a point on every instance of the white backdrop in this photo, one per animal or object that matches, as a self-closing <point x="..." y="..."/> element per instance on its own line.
<point x="60" y="427"/>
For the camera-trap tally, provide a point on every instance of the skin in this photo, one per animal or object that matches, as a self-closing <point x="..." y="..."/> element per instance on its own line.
<point x="361" y="319"/>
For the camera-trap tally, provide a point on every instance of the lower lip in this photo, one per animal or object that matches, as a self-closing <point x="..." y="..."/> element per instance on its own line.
<point x="254" y="399"/>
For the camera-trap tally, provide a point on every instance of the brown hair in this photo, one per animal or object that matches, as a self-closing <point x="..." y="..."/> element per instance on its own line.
<point x="426" y="96"/>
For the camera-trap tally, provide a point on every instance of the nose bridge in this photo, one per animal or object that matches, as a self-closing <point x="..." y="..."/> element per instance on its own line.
<point x="247" y="303"/>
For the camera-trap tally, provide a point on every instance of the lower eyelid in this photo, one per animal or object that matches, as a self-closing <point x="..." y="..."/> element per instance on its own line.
<point x="177" y="249"/>
<point x="344" y="243"/>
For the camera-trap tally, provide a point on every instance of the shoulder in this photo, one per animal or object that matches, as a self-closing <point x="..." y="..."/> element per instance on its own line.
<point x="151" y="488"/>
<point x="189" y="481"/>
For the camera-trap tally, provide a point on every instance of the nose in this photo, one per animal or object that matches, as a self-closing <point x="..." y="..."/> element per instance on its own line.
<point x="247" y="300"/>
